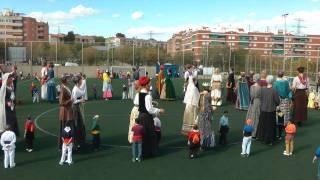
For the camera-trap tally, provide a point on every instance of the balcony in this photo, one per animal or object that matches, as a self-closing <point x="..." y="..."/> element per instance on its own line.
<point x="244" y="44"/>
<point x="302" y="39"/>
<point x="278" y="38"/>
<point x="245" y="37"/>
<point x="278" y="51"/>
<point x="217" y="36"/>
<point x="217" y="43"/>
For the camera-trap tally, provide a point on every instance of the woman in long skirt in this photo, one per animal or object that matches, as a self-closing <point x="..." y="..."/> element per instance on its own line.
<point x="160" y="80"/>
<point x="216" y="81"/>
<point x="51" y="85"/>
<point x="43" y="81"/>
<point x="300" y="86"/>
<point x="107" y="87"/>
<point x="65" y="108"/>
<point x="7" y="106"/>
<point x="133" y="115"/>
<point x="231" y="95"/>
<point x="281" y="85"/>
<point x="191" y="99"/>
<point x="243" y="93"/>
<point x="254" y="107"/>
<point x="168" y="91"/>
<point x="205" y="118"/>
<point x="267" y="123"/>
<point x="146" y="112"/>
<point x="78" y="116"/>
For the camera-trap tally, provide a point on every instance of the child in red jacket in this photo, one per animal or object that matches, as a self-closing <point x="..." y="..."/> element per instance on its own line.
<point x="194" y="141"/>
<point x="290" y="133"/>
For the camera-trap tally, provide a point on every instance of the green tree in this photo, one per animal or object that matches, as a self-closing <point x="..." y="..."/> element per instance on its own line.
<point x="120" y="35"/>
<point x="70" y="37"/>
<point x="99" y="39"/>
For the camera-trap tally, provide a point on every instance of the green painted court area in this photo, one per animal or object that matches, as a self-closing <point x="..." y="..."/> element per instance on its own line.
<point x="113" y="161"/>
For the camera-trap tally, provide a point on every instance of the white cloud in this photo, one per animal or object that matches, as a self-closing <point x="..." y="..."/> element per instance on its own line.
<point x="115" y="15"/>
<point x="61" y="16"/>
<point x="252" y="14"/>
<point x="137" y="15"/>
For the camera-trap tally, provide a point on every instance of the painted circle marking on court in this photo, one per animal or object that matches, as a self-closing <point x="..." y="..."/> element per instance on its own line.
<point x="108" y="145"/>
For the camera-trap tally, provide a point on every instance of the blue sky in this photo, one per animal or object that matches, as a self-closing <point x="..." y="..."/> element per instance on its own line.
<point x="164" y="17"/>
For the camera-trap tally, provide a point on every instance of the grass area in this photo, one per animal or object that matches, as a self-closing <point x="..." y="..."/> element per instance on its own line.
<point x="114" y="162"/>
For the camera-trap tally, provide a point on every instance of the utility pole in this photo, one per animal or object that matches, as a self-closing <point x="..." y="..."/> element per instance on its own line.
<point x="284" y="41"/>
<point x="5" y="43"/>
<point x="133" y="52"/>
<point x="317" y="68"/>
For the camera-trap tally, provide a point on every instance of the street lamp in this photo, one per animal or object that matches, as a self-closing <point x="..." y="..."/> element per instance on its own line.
<point x="284" y="40"/>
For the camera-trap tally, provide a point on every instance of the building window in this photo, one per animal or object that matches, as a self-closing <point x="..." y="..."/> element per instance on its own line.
<point x="255" y="38"/>
<point x="266" y="39"/>
<point x="265" y="45"/>
<point x="265" y="52"/>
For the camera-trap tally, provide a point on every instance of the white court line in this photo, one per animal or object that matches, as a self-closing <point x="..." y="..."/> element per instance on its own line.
<point x="108" y="145"/>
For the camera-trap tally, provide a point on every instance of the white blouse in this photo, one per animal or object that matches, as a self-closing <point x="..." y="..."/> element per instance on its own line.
<point x="148" y="102"/>
<point x="296" y="84"/>
<point x="77" y="94"/>
<point x="215" y="78"/>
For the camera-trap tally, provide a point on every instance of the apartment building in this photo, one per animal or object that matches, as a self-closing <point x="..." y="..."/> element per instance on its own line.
<point x="264" y="44"/>
<point x="122" y="41"/>
<point x="15" y="27"/>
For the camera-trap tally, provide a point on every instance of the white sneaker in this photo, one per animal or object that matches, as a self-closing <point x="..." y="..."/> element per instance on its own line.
<point x="285" y="153"/>
<point x="290" y="154"/>
<point x="61" y="163"/>
<point x="13" y="165"/>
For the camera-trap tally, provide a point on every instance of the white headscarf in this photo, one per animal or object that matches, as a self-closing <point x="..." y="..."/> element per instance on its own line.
<point x="3" y="101"/>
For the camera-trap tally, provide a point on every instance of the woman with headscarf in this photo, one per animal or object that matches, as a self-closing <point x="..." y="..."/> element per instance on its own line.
<point x="205" y="118"/>
<point x="168" y="91"/>
<point x="216" y="81"/>
<point x="146" y="112"/>
<point x="78" y="115"/>
<point x="191" y="99"/>
<point x="281" y="85"/>
<point x="267" y="124"/>
<point x="300" y="87"/>
<point x="43" y="81"/>
<point x="107" y="87"/>
<point x="243" y="93"/>
<point x="51" y="85"/>
<point x="254" y="107"/>
<point x="231" y="96"/>
<point x="7" y="105"/>
<point x="65" y="110"/>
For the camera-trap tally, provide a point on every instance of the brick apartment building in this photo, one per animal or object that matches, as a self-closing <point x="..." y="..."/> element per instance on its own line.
<point x="53" y="38"/>
<point x="16" y="27"/>
<point x="263" y="44"/>
<point x="123" y="41"/>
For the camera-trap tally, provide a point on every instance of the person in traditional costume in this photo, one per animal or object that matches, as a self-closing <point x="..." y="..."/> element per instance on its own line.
<point x="78" y="115"/>
<point x="216" y="81"/>
<point x="311" y="99"/>
<point x="300" y="87"/>
<point x="65" y="110"/>
<point x="231" y="84"/>
<point x="107" y="87"/>
<point x="14" y="75"/>
<point x="146" y="112"/>
<point x="263" y="82"/>
<point x="243" y="93"/>
<point x="134" y="114"/>
<point x="51" y="85"/>
<point x="281" y="85"/>
<point x="168" y="90"/>
<point x="83" y="86"/>
<point x="205" y="118"/>
<point x="186" y="76"/>
<point x="160" y="80"/>
<point x="43" y="81"/>
<point x="7" y="105"/>
<point x="191" y="99"/>
<point x="255" y="103"/>
<point x="267" y="127"/>
<point x="131" y="86"/>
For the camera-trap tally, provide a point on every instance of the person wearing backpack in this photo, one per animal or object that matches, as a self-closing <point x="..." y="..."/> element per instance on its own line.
<point x="194" y="141"/>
